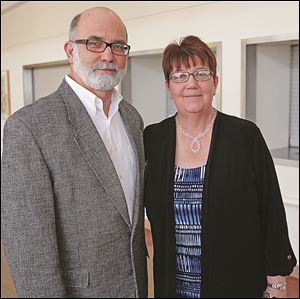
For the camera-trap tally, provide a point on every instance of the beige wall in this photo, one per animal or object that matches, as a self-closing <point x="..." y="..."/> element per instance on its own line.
<point x="35" y="33"/>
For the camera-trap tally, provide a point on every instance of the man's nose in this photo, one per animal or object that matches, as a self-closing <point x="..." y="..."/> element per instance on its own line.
<point x="107" y="54"/>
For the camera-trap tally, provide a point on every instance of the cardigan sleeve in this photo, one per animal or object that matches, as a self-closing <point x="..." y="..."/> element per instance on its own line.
<point x="279" y="256"/>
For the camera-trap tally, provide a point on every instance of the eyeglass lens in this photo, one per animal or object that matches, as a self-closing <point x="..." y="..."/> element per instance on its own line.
<point x="200" y="75"/>
<point x="100" y="46"/>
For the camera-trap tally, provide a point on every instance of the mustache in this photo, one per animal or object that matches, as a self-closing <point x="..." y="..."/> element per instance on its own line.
<point x="105" y="65"/>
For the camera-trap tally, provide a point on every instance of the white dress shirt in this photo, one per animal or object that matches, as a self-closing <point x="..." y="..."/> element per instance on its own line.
<point x="114" y="135"/>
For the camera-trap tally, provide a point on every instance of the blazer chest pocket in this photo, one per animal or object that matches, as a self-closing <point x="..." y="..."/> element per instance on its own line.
<point x="76" y="278"/>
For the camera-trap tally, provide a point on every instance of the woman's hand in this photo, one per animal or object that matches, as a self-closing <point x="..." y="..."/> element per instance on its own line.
<point x="277" y="286"/>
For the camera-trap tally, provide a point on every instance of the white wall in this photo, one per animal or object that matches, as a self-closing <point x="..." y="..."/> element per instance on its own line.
<point x="36" y="31"/>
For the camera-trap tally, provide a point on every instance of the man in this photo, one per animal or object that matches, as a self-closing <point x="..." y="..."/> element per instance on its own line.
<point x="72" y="172"/>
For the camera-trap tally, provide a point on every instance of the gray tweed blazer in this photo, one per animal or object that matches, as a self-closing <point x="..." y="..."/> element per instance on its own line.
<point x="64" y="220"/>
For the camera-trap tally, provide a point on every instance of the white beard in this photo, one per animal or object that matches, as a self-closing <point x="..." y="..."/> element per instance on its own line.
<point x="94" y="80"/>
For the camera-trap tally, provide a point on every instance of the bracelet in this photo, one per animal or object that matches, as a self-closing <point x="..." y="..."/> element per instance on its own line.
<point x="278" y="286"/>
<point x="266" y="294"/>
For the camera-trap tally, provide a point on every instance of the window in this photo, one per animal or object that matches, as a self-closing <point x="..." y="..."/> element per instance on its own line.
<point x="42" y="79"/>
<point x="271" y="93"/>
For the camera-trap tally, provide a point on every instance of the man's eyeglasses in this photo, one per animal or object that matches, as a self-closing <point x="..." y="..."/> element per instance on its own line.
<point x="199" y="75"/>
<point x="99" y="46"/>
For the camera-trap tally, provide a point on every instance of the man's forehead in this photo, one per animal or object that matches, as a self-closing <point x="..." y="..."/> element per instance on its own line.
<point x="101" y="27"/>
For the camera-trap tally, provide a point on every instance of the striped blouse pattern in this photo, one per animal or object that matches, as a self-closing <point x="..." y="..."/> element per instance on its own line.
<point x="188" y="189"/>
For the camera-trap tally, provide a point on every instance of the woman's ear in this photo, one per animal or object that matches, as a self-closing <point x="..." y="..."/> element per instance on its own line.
<point x="216" y="81"/>
<point x="167" y="83"/>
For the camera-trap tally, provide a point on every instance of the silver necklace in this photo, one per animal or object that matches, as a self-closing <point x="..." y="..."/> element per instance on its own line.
<point x="195" y="145"/>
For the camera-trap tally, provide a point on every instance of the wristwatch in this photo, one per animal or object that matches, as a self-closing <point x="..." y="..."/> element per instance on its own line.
<point x="278" y="286"/>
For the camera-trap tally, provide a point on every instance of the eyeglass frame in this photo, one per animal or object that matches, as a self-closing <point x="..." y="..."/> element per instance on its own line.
<point x="211" y="73"/>
<point x="85" y="41"/>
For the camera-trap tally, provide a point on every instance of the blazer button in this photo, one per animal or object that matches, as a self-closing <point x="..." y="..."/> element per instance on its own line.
<point x="130" y="272"/>
<point x="289" y="257"/>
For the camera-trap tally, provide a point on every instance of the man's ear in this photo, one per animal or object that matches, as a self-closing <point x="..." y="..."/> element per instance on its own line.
<point x="69" y="51"/>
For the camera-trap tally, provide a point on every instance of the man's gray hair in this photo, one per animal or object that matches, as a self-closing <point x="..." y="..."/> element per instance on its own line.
<point x="73" y="27"/>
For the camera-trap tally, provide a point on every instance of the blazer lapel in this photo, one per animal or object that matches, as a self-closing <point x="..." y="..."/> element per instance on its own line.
<point x="93" y="149"/>
<point x="136" y="139"/>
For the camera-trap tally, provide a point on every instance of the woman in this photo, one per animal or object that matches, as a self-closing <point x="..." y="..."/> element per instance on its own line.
<point x="212" y="197"/>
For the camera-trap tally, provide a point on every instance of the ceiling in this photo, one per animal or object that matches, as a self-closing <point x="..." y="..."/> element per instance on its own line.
<point x="129" y="9"/>
<point x="9" y="5"/>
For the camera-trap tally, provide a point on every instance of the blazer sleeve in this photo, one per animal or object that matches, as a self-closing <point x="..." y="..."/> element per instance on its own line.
<point x="28" y="215"/>
<point x="279" y="256"/>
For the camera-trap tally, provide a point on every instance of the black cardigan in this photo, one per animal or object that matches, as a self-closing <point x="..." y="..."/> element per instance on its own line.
<point x="244" y="231"/>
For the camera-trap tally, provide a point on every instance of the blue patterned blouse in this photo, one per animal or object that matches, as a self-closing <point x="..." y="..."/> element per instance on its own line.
<point x="188" y="189"/>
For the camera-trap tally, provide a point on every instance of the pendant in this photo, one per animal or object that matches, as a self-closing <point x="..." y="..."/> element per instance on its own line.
<point x="195" y="145"/>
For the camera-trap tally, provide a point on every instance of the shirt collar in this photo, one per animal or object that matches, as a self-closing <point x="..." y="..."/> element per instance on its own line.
<point x="93" y="103"/>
